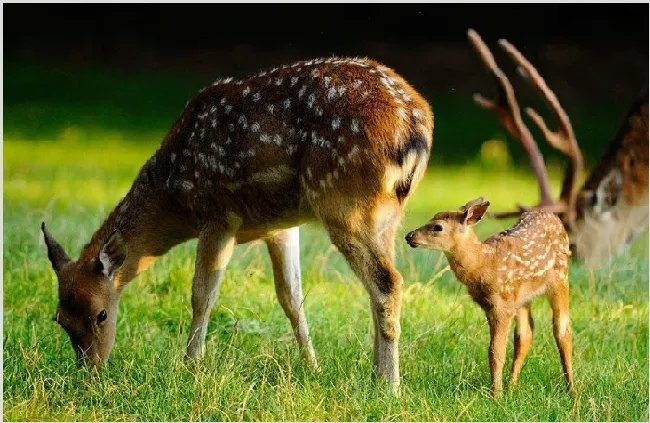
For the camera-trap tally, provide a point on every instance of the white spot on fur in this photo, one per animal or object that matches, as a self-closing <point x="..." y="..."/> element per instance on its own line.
<point x="331" y="93"/>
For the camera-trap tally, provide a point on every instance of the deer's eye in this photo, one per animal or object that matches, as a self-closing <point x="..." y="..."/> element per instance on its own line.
<point x="101" y="316"/>
<point x="437" y="227"/>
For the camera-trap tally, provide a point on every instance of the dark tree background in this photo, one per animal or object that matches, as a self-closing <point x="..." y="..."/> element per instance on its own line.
<point x="591" y="55"/>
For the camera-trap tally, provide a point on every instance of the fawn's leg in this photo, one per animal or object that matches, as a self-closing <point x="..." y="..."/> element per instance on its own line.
<point x="558" y="297"/>
<point x="368" y="258"/>
<point x="499" y="320"/>
<point x="214" y="250"/>
<point x="284" y="249"/>
<point x="523" y="340"/>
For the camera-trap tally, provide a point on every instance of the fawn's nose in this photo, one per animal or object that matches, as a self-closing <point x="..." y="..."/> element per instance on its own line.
<point x="409" y="238"/>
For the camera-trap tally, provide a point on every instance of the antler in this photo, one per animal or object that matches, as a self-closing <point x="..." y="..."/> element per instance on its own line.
<point x="564" y="139"/>
<point x="507" y="110"/>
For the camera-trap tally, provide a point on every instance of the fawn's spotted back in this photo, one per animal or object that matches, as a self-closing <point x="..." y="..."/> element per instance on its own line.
<point x="529" y="249"/>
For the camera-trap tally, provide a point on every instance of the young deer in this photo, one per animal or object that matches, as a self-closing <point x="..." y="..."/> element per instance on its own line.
<point x="611" y="209"/>
<point x="342" y="141"/>
<point x="504" y="274"/>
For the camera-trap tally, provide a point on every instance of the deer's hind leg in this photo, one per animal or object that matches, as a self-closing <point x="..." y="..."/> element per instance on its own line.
<point x="558" y="297"/>
<point x="523" y="340"/>
<point x="368" y="248"/>
<point x="215" y="247"/>
<point x="284" y="249"/>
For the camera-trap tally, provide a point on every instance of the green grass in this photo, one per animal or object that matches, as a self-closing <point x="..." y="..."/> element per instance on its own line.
<point x="252" y="370"/>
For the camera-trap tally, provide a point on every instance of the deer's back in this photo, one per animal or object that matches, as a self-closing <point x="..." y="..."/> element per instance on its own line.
<point x="314" y="128"/>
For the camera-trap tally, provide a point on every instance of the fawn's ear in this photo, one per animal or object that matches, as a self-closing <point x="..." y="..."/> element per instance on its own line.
<point x="471" y="203"/>
<point x="475" y="212"/>
<point x="112" y="255"/>
<point x="55" y="251"/>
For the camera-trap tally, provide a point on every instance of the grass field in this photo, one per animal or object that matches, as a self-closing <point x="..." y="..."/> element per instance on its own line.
<point x="252" y="370"/>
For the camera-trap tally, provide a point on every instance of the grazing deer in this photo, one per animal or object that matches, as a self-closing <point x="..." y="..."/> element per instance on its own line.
<point x="503" y="275"/>
<point x="341" y="141"/>
<point x="611" y="208"/>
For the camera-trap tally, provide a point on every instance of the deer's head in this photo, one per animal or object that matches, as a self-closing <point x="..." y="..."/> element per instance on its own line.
<point x="449" y="229"/>
<point x="88" y="299"/>
<point x="612" y="207"/>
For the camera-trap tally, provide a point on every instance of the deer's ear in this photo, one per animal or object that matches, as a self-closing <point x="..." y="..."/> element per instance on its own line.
<point x="471" y="203"/>
<point x="475" y="213"/>
<point x="55" y="251"/>
<point x="112" y="255"/>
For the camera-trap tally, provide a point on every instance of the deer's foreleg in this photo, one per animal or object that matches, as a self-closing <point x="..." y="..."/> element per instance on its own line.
<point x="214" y="250"/>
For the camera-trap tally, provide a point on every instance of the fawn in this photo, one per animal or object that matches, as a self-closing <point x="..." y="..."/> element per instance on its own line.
<point x="503" y="275"/>
<point x="611" y="209"/>
<point x="343" y="141"/>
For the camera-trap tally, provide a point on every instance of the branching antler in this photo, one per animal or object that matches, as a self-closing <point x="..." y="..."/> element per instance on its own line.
<point x="507" y="110"/>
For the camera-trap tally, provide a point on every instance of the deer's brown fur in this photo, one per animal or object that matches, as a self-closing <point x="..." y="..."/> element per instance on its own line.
<point x="342" y="141"/>
<point x="504" y="274"/>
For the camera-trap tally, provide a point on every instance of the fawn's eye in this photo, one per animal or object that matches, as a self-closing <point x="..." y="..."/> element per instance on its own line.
<point x="101" y="316"/>
<point x="437" y="227"/>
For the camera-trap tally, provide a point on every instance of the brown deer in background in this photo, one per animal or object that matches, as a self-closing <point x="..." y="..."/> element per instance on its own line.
<point x="611" y="208"/>
<point x="504" y="274"/>
<point x="341" y="141"/>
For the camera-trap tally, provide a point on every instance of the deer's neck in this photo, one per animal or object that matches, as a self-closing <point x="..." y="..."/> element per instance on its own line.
<point x="150" y="222"/>
<point x="470" y="259"/>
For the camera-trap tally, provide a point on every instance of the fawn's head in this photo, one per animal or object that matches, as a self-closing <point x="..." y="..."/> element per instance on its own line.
<point x="88" y="299"/>
<point x="448" y="229"/>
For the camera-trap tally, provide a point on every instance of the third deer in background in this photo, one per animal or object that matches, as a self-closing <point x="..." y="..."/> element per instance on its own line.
<point x="611" y="209"/>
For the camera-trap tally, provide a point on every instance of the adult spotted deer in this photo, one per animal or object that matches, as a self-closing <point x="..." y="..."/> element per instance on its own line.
<point x="503" y="275"/>
<point x="611" y="208"/>
<point x="341" y="141"/>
